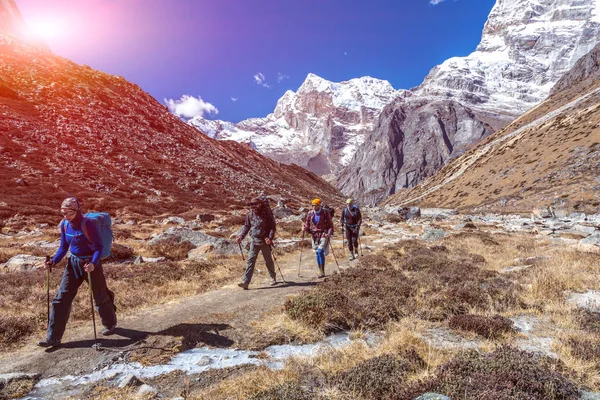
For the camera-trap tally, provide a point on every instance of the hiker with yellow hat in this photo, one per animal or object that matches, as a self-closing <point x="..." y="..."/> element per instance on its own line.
<point x="350" y="221"/>
<point x="320" y="225"/>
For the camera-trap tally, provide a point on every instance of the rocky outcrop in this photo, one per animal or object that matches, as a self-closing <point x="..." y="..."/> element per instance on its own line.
<point x="587" y="67"/>
<point x="412" y="140"/>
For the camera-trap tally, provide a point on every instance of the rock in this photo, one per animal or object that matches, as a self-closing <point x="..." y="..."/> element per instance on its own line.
<point x="515" y="268"/>
<point x="198" y="239"/>
<point x="173" y="220"/>
<point x="432" y="396"/>
<point x="138" y="260"/>
<point x="530" y="260"/>
<point x="21" y="182"/>
<point x="204" y="360"/>
<point x="433" y="235"/>
<point x="131" y="222"/>
<point x="17" y="376"/>
<point x="44" y="244"/>
<point x="24" y="262"/>
<point x="593" y="239"/>
<point x="282" y="212"/>
<point x="146" y="390"/>
<point x="129" y="380"/>
<point x="154" y="259"/>
<point x="590" y="395"/>
<point x="589" y="300"/>
<point x="44" y="226"/>
<point x="585" y="229"/>
<point x="199" y="253"/>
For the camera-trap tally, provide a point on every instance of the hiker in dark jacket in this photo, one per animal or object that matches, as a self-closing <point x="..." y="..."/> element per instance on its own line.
<point x="350" y="221"/>
<point x="319" y="224"/>
<point x="260" y="223"/>
<point x="80" y="236"/>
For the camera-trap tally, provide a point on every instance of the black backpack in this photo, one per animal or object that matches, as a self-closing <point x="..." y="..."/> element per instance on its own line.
<point x="329" y="209"/>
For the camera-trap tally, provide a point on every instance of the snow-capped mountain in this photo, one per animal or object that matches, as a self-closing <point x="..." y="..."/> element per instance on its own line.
<point x="526" y="47"/>
<point x="319" y="126"/>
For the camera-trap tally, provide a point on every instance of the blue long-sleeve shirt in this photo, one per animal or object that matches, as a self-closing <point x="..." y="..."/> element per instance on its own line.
<point x="72" y="236"/>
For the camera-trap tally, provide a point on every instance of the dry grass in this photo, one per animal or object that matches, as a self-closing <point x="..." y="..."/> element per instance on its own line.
<point x="16" y="389"/>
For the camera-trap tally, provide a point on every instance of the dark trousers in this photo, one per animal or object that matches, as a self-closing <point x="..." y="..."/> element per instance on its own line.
<point x="352" y="238"/>
<point x="69" y="285"/>
<point x="256" y="248"/>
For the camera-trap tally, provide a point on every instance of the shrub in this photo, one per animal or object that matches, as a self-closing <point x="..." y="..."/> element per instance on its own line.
<point x="488" y="327"/>
<point x="587" y="320"/>
<point x="13" y="328"/>
<point x="121" y="252"/>
<point x="355" y="299"/>
<point x="505" y="374"/>
<point x="171" y="248"/>
<point x="285" y="391"/>
<point x="379" y="377"/>
<point x="585" y="349"/>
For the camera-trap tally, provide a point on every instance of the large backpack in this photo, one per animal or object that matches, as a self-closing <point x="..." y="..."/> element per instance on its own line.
<point x="330" y="210"/>
<point x="103" y="226"/>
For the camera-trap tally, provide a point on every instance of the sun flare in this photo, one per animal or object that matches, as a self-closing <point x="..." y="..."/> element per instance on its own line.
<point x="46" y="29"/>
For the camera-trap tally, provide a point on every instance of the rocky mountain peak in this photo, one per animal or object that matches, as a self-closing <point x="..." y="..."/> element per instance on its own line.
<point x="526" y="46"/>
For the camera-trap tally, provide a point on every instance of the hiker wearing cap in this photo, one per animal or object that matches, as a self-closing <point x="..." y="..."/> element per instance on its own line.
<point x="260" y="223"/>
<point x="319" y="224"/>
<point x="79" y="236"/>
<point x="350" y="221"/>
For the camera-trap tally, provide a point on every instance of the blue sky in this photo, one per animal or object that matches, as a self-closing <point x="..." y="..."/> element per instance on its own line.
<point x="240" y="56"/>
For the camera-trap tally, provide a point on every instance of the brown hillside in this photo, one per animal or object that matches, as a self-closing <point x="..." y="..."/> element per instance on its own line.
<point x="66" y="129"/>
<point x="548" y="156"/>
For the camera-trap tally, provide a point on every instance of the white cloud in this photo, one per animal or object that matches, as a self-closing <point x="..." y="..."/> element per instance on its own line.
<point x="189" y="107"/>
<point x="261" y="79"/>
<point x="435" y="2"/>
<point x="281" y="77"/>
<point x="234" y="99"/>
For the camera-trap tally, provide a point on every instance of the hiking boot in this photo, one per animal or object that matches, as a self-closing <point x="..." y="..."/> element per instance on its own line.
<point x="107" y="331"/>
<point x="49" y="343"/>
<point x="356" y="254"/>
<point x="321" y="275"/>
<point x="243" y="285"/>
<point x="273" y="282"/>
<point x="351" y="258"/>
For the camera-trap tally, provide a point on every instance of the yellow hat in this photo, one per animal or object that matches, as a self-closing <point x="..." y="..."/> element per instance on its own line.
<point x="316" y="202"/>
<point x="349" y="201"/>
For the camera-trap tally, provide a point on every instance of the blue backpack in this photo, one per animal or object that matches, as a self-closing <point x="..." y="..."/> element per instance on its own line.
<point x="103" y="226"/>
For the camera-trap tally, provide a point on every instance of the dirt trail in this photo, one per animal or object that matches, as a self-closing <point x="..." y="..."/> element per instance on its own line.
<point x="219" y="316"/>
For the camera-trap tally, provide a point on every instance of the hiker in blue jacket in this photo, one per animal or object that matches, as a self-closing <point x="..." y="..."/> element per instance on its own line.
<point x="351" y="220"/>
<point x="80" y="236"/>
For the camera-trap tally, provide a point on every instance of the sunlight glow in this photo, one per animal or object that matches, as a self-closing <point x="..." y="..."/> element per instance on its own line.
<point x="45" y="29"/>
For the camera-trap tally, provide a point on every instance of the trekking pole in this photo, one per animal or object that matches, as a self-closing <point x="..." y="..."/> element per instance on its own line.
<point x="301" y="245"/>
<point x="277" y="263"/>
<point x="344" y="242"/>
<point x="96" y="345"/>
<point x="359" y="244"/>
<point x="48" y="271"/>
<point x="241" y="251"/>
<point x="334" y="257"/>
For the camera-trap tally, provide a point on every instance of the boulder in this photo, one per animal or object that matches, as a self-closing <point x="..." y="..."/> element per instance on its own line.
<point x="173" y="220"/>
<point x="198" y="239"/>
<point x="409" y="213"/>
<point x="129" y="380"/>
<point x="282" y="212"/>
<point x="432" y="396"/>
<point x="433" y="235"/>
<point x="24" y="262"/>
